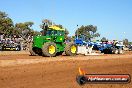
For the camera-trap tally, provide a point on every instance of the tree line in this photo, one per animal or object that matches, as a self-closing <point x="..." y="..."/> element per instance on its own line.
<point x="9" y="29"/>
<point x="24" y="29"/>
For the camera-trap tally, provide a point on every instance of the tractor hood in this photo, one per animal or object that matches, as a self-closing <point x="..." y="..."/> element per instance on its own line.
<point x="38" y="41"/>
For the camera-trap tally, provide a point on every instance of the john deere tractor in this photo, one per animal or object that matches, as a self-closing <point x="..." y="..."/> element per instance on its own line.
<point x="52" y="43"/>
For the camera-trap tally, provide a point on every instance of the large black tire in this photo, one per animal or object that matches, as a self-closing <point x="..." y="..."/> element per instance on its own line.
<point x="31" y="50"/>
<point x="46" y="50"/>
<point x="68" y="49"/>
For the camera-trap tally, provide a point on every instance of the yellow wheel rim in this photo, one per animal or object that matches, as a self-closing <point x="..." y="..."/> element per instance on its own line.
<point x="51" y="49"/>
<point x="73" y="49"/>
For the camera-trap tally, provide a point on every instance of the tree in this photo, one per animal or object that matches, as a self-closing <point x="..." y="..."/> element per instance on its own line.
<point x="130" y="43"/>
<point x="88" y="31"/>
<point x="46" y="21"/>
<point x="36" y="33"/>
<point x="125" y="42"/>
<point x="3" y="14"/>
<point x="24" y="29"/>
<point x="6" y="24"/>
<point x="103" y="39"/>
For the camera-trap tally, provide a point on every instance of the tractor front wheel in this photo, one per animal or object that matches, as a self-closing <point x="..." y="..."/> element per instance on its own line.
<point x="49" y="49"/>
<point x="71" y="49"/>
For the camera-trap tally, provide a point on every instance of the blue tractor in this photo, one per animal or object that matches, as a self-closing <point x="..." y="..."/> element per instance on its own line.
<point x="110" y="48"/>
<point x="80" y="40"/>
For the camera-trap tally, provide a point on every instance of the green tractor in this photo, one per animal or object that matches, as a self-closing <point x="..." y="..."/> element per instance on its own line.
<point x="52" y="43"/>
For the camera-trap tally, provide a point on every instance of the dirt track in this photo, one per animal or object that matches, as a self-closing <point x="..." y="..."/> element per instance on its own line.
<point x="24" y="71"/>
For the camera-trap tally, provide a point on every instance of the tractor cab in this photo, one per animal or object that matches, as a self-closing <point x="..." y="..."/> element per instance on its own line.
<point x="55" y="31"/>
<point x="56" y="34"/>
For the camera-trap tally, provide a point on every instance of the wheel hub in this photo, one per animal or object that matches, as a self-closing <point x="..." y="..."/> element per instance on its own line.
<point x="73" y="49"/>
<point x="51" y="49"/>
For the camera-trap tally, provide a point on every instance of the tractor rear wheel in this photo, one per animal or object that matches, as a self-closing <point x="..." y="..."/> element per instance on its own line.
<point x="49" y="49"/>
<point x="71" y="49"/>
<point x="31" y="50"/>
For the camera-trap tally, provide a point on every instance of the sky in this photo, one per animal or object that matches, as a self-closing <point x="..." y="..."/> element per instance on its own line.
<point x="113" y="18"/>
